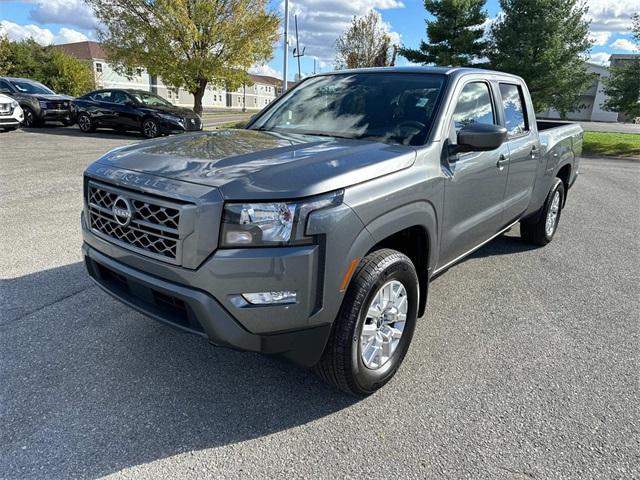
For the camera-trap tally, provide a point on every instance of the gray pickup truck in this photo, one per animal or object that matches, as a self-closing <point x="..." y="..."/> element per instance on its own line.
<point x="313" y="232"/>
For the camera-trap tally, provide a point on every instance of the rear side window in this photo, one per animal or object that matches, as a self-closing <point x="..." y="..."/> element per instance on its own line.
<point x="474" y="106"/>
<point x="101" y="97"/>
<point x="514" y="113"/>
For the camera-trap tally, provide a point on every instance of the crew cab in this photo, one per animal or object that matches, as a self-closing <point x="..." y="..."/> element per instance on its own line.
<point x="39" y="103"/>
<point x="313" y="233"/>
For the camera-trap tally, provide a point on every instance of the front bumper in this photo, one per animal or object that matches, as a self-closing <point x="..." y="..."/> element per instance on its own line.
<point x="207" y="300"/>
<point x="55" y="114"/>
<point x="12" y="119"/>
<point x="170" y="126"/>
<point x="195" y="311"/>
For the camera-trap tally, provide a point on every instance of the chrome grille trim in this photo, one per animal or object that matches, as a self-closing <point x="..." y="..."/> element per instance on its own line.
<point x="154" y="228"/>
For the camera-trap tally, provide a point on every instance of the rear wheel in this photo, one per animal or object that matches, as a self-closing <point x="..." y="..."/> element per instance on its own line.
<point x="150" y="128"/>
<point x="541" y="231"/>
<point x="374" y="328"/>
<point x="85" y="123"/>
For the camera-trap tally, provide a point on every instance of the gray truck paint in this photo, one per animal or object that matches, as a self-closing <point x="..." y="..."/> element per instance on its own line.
<point x="387" y="188"/>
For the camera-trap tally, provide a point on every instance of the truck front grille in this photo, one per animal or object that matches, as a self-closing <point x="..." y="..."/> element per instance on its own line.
<point x="146" y="224"/>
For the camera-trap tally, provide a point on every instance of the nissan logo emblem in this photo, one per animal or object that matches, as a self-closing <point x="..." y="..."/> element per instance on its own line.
<point x="122" y="212"/>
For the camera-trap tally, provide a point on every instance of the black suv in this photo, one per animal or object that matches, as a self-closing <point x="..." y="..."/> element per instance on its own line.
<point x="138" y="110"/>
<point x="40" y="104"/>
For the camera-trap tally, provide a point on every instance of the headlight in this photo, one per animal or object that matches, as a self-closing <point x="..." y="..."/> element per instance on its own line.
<point x="43" y="104"/>
<point x="14" y="104"/>
<point x="271" y="224"/>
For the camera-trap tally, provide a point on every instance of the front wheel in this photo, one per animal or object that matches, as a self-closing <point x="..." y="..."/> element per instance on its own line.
<point x="374" y="328"/>
<point x="150" y="128"/>
<point x="85" y="123"/>
<point x="30" y="119"/>
<point x="541" y="231"/>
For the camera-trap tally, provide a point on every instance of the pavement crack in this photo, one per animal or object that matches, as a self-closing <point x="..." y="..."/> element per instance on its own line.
<point x="36" y="310"/>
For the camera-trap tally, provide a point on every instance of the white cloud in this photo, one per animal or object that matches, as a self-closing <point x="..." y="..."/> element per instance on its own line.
<point x="265" y="70"/>
<point x="611" y="15"/>
<point x="600" y="58"/>
<point x="320" y="22"/>
<point x="64" y="12"/>
<point x="600" y="38"/>
<point x="43" y="36"/>
<point x="624" y="44"/>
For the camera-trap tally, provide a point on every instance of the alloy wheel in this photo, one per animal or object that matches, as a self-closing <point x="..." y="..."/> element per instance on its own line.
<point x="384" y="324"/>
<point x="150" y="129"/>
<point x="552" y="215"/>
<point x="84" y="123"/>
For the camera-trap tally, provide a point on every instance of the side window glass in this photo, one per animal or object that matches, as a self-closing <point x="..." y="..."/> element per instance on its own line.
<point x="4" y="87"/>
<point x="514" y="114"/>
<point x="119" y="97"/>
<point x="101" y="97"/>
<point x="474" y="106"/>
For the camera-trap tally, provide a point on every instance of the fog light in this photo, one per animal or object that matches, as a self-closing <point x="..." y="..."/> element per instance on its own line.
<point x="271" y="298"/>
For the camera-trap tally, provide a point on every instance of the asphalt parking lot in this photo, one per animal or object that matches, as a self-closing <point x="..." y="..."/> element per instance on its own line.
<point x="526" y="365"/>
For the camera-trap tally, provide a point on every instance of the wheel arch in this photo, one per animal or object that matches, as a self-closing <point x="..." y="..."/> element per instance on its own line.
<point x="411" y="230"/>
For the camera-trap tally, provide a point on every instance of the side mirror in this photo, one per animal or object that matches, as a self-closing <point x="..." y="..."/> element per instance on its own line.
<point x="479" y="137"/>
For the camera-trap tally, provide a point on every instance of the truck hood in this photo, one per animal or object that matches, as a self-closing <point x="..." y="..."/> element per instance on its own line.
<point x="54" y="97"/>
<point x="249" y="164"/>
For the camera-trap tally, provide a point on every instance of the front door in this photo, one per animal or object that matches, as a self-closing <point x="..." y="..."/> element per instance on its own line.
<point x="124" y="111"/>
<point x="474" y="193"/>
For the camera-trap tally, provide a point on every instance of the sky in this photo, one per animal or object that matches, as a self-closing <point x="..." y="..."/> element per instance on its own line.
<point x="320" y="22"/>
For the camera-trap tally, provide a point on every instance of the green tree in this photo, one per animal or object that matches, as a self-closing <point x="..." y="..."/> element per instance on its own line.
<point x="366" y="43"/>
<point x="48" y="65"/>
<point x="5" y="55"/>
<point x="622" y="88"/>
<point x="189" y="43"/>
<point x="545" y="42"/>
<point x="455" y="37"/>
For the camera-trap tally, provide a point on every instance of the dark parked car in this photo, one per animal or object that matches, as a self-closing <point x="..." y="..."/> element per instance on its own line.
<point x="139" y="110"/>
<point x="39" y="103"/>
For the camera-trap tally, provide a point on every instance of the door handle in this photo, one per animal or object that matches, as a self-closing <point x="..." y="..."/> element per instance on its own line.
<point x="533" y="152"/>
<point x="502" y="161"/>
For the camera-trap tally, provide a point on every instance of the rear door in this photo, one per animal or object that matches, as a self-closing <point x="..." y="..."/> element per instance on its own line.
<point x="524" y="150"/>
<point x="474" y="193"/>
<point x="100" y="108"/>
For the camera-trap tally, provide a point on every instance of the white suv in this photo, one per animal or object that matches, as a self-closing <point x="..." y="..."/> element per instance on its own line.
<point x="11" y="115"/>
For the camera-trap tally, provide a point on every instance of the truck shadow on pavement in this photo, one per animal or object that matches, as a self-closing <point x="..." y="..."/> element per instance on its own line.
<point x="89" y="387"/>
<point x="74" y="131"/>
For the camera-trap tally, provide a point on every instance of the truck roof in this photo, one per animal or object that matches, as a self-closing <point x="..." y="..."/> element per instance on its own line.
<point x="451" y="71"/>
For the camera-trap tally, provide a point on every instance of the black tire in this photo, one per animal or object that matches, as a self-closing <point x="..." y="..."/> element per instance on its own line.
<point x="85" y="123"/>
<point x="30" y="119"/>
<point x="150" y="128"/>
<point x="341" y="364"/>
<point x="535" y="231"/>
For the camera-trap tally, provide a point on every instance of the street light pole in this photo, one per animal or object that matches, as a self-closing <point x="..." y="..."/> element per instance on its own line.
<point x="286" y="45"/>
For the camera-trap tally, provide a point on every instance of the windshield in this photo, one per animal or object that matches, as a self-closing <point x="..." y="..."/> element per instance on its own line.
<point x="150" y="99"/>
<point x="31" y="87"/>
<point x="387" y="107"/>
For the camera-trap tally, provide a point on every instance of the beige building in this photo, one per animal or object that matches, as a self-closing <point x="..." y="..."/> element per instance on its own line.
<point x="256" y="96"/>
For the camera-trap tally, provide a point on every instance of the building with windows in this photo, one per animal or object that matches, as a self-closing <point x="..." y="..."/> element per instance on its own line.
<point x="256" y="96"/>
<point x="592" y="100"/>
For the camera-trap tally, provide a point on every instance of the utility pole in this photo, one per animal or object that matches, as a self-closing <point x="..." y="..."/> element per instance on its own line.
<point x="286" y="45"/>
<point x="296" y="51"/>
